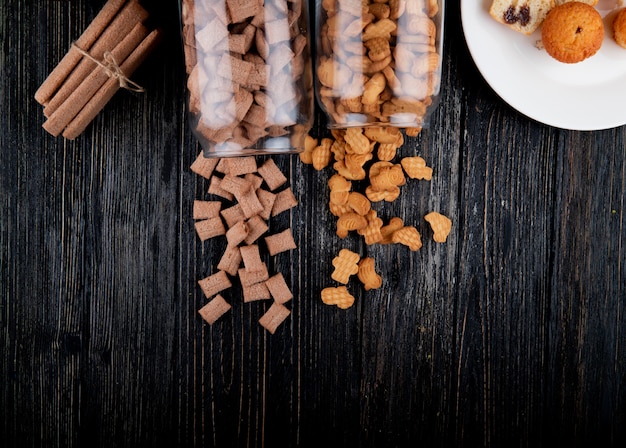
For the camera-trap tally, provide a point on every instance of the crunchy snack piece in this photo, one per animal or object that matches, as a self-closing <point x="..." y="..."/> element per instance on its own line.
<point x="371" y="232"/>
<point x="266" y="199"/>
<point x="412" y="132"/>
<point x="375" y="195"/>
<point x="255" y="181"/>
<point x="381" y="28"/>
<point x="383" y="135"/>
<point x="204" y="166"/>
<point x="440" y="224"/>
<point x="280" y="242"/>
<point x="306" y="156"/>
<point x="215" y="283"/>
<point x="222" y="166"/>
<point x="367" y="274"/>
<point x="415" y="168"/>
<point x="209" y="228"/>
<point x="237" y="186"/>
<point x="233" y="215"/>
<point x="215" y="309"/>
<point x="348" y="222"/>
<point x="284" y="200"/>
<point x="274" y="316"/>
<point x="272" y="175"/>
<point x="408" y="236"/>
<point x="338" y="210"/>
<point x="238" y="166"/>
<point x="387" y="178"/>
<point x="337" y="296"/>
<point x="230" y="261"/>
<point x="387" y="231"/>
<point x="278" y="288"/>
<point x="359" y="203"/>
<point x="256" y="227"/>
<point x="322" y="154"/>
<point x="357" y="141"/>
<point x="251" y="257"/>
<point x="339" y="189"/>
<point x="373" y="88"/>
<point x="345" y="265"/>
<point x="255" y="291"/>
<point x="237" y="233"/>
<point x="248" y="278"/>
<point x="250" y="204"/>
<point x="215" y="188"/>
<point x="206" y="209"/>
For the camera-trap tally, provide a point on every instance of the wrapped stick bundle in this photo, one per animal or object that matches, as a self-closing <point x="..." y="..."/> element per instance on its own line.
<point x="98" y="64"/>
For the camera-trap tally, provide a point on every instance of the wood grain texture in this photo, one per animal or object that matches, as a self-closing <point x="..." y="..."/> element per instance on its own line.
<point x="510" y="334"/>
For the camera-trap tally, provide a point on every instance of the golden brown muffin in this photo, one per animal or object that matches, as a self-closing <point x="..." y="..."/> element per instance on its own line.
<point x="619" y="28"/>
<point x="572" y="32"/>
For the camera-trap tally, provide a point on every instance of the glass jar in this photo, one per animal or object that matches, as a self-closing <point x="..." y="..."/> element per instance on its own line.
<point x="249" y="84"/>
<point x="378" y="62"/>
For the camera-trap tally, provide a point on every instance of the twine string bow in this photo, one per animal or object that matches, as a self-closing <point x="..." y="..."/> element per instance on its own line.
<point x="111" y="68"/>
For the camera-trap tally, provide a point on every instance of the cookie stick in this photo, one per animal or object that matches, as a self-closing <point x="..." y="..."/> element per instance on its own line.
<point x="106" y="92"/>
<point x="90" y="85"/>
<point x="127" y="18"/>
<point x="72" y="57"/>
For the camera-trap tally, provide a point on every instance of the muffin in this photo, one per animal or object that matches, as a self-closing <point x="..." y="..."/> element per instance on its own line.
<point x="619" y="28"/>
<point x="572" y="32"/>
<point x="523" y="16"/>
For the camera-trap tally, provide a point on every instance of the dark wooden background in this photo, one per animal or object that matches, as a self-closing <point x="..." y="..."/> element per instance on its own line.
<point x="513" y="333"/>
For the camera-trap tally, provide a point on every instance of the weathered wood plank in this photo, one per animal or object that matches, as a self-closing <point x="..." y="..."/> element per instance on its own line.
<point x="510" y="333"/>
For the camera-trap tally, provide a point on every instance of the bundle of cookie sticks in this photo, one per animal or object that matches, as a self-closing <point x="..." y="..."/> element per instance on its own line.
<point x="96" y="66"/>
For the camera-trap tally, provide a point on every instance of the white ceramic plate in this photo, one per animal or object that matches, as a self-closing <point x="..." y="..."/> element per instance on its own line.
<point x="590" y="95"/>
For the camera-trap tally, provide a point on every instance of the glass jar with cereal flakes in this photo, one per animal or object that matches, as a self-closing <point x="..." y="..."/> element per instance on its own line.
<point x="378" y="62"/>
<point x="250" y="88"/>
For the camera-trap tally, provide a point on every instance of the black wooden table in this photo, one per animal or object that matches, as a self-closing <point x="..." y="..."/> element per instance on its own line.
<point x="513" y="333"/>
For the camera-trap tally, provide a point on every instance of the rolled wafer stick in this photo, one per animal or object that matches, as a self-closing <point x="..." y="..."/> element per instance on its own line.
<point x="73" y="57"/>
<point x="111" y="86"/>
<point x="121" y="25"/>
<point x="75" y="102"/>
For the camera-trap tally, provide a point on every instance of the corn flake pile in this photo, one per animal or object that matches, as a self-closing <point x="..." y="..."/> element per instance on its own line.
<point x="368" y="154"/>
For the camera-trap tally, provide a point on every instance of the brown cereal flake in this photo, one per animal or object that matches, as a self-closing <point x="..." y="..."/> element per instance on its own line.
<point x="215" y="283"/>
<point x="251" y="257"/>
<point x="214" y="188"/>
<point x="215" y="309"/>
<point x="206" y="209"/>
<point x="272" y="175"/>
<point x="248" y="278"/>
<point x="256" y="291"/>
<point x="256" y="227"/>
<point x="274" y="316"/>
<point x="280" y="242"/>
<point x="230" y="261"/>
<point x="278" y="288"/>
<point x="284" y="201"/>
<point x="209" y="228"/>
<point x="237" y="233"/>
<point x="204" y="166"/>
